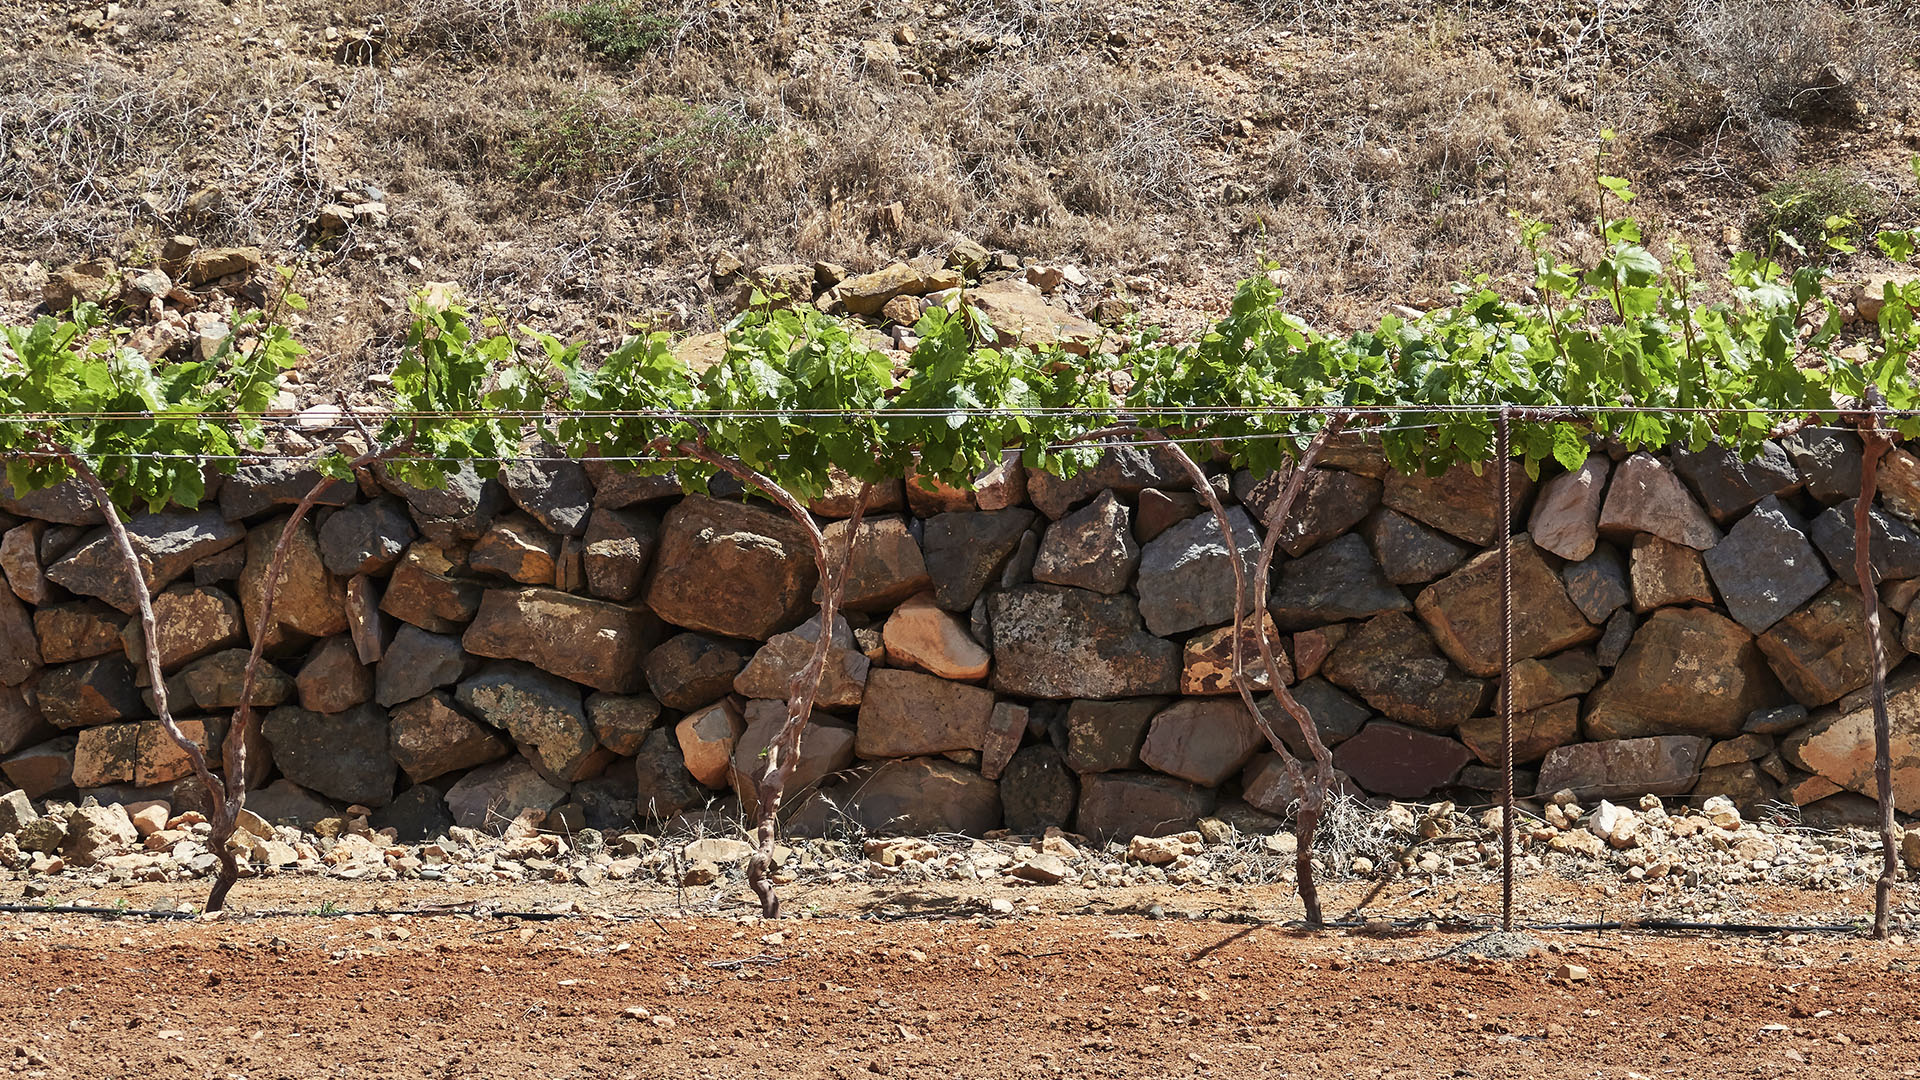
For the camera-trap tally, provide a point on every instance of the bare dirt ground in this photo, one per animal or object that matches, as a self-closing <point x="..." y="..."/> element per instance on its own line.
<point x="929" y="981"/>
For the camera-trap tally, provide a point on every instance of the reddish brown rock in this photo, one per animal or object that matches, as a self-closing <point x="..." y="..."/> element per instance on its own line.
<point x="1838" y="743"/>
<point x="19" y="648"/>
<point x="1105" y="736"/>
<point x="1535" y="732"/>
<point x="690" y="671"/>
<point x="1399" y="761"/>
<point x="1688" y="671"/>
<point x="1312" y="647"/>
<point x="887" y="566"/>
<point x="1463" y="611"/>
<point x="997" y="488"/>
<point x="1662" y="765"/>
<point x="1392" y="663"/>
<point x="885" y="497"/>
<point x="1122" y="805"/>
<point x="619" y="548"/>
<point x="423" y="591"/>
<point x="1207" y="659"/>
<point x="1268" y="786"/>
<point x="1566" y="516"/>
<point x="159" y="760"/>
<point x="770" y="673"/>
<point x="1090" y="548"/>
<point x="731" y="569"/>
<point x="492" y="796"/>
<point x="920" y="634"/>
<point x="1665" y="573"/>
<point x="1543" y="681"/>
<point x="622" y="721"/>
<point x="92" y="691"/>
<point x="78" y="630"/>
<point x="515" y="546"/>
<point x="825" y="748"/>
<point x="905" y="798"/>
<point x="20" y="723"/>
<point x="105" y="755"/>
<point x="1646" y="496"/>
<point x="1458" y="501"/>
<point x="20" y="562"/>
<point x="333" y="679"/>
<point x="1005" y="729"/>
<point x="309" y="602"/>
<point x="589" y="641"/>
<point x="430" y="737"/>
<point x="1821" y="651"/>
<point x="707" y="738"/>
<point x="42" y="768"/>
<point x="1203" y="741"/>
<point x="1054" y="642"/>
<point x="906" y="714"/>
<point x="1157" y="511"/>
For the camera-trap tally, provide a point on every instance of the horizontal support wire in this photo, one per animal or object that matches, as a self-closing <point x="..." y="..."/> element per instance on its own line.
<point x="1521" y="411"/>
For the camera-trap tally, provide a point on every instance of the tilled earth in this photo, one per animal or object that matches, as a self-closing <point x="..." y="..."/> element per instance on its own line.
<point x="935" y="979"/>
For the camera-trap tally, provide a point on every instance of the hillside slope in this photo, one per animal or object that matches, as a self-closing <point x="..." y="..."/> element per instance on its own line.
<point x="587" y="165"/>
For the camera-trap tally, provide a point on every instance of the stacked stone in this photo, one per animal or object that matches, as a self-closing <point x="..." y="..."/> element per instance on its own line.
<point x="1038" y="652"/>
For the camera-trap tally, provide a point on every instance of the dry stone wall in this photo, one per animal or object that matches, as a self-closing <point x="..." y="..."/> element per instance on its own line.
<point x="1039" y="652"/>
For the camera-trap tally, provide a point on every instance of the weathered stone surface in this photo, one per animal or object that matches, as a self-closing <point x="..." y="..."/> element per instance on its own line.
<point x="589" y="641"/>
<point x="621" y="722"/>
<point x="1411" y="553"/>
<point x="215" y="682"/>
<point x="1392" y="664"/>
<point x="105" y="755"/>
<point x="344" y="756"/>
<point x="1543" y="681"/>
<point x="221" y="566"/>
<point x="1055" y="642"/>
<point x="966" y="551"/>
<point x="825" y="748"/>
<point x="619" y="547"/>
<point x="997" y="488"/>
<point x="20" y="723"/>
<point x="1157" y="511"/>
<point x="1457" y="501"/>
<point x="1727" y="484"/>
<point x="1646" y="496"/>
<point x="920" y="634"/>
<point x="1838" y="743"/>
<point x="1186" y="580"/>
<point x="516" y="547"/>
<point x="1090" y="548"/>
<point x="707" y="738"/>
<point x="616" y="487"/>
<point x="416" y="815"/>
<point x="1689" y="671"/>
<point x="1337" y="717"/>
<point x="1105" y="736"/>
<point x="541" y="712"/>
<point x="42" y="768"/>
<point x="1206" y="665"/>
<point x="1829" y="461"/>
<point x="1615" y="638"/>
<point x="1312" y="647"/>
<point x="256" y="487"/>
<point x="1821" y="651"/>
<point x="887" y="565"/>
<point x="191" y="621"/>
<point x="429" y="737"/>
<point x="308" y="603"/>
<point x="19" y="647"/>
<point x="1662" y="765"/>
<point x="906" y="797"/>
<point x="333" y="679"/>
<point x="866" y="294"/>
<point x="157" y="759"/>
<point x="1598" y="584"/>
<point x="730" y="569"/>
<point x="424" y="593"/>
<point x="1201" y="740"/>
<point x="553" y="489"/>
<point x="66" y="503"/>
<point x="167" y="544"/>
<point x="1777" y="720"/>
<point x="1747" y="747"/>
<point x="1895" y="551"/>
<point x="20" y="562"/>
<point x="77" y="630"/>
<point x="843" y="491"/>
<point x="417" y="662"/>
<point x="1331" y="502"/>
<point x="1898" y="483"/>
<point x="1336" y="582"/>
<point x="1019" y="315"/>
<point x="86" y="692"/>
<point x="1743" y="782"/>
<point x="907" y="714"/>
<point x="770" y="673"/>
<point x="16" y="810"/>
<point x="688" y="671"/>
<point x="1268" y="787"/>
<point x="1566" y="516"/>
<point x="95" y="832"/>
<point x="1392" y="759"/>
<point x="492" y="796"/>
<point x="1463" y="610"/>
<point x="665" y="787"/>
<point x="1126" y="469"/>
<point x="458" y="508"/>
<point x="1666" y="573"/>
<point x="1006" y="729"/>
<point x="1121" y="805"/>
<point x="366" y="538"/>
<point x="1765" y="567"/>
<point x="1038" y="792"/>
<point x="1535" y="732"/>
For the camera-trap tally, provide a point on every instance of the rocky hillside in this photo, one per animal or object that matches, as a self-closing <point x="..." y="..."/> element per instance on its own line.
<point x="593" y="164"/>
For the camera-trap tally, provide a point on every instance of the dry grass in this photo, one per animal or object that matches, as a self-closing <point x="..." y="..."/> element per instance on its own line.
<point x="1375" y="149"/>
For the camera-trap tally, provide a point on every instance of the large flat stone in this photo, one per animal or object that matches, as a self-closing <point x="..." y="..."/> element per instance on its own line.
<point x="1054" y="642"/>
<point x="166" y="543"/>
<point x="1463" y="611"/>
<point x="1765" y="566"/>
<point x="1336" y="582"/>
<point x="887" y="565"/>
<point x="1398" y="761"/>
<point x="492" y="796"/>
<point x="424" y="591"/>
<point x="1458" y="501"/>
<point x="1728" y="484"/>
<point x="1624" y="769"/>
<point x="1201" y="740"/>
<point x="1821" y="651"/>
<point x="429" y="737"/>
<point x="1828" y="460"/>
<point x="1646" y="496"/>
<point x="1186" y="576"/>
<point x="1535" y="733"/>
<point x="907" y="797"/>
<point x="1838" y="743"/>
<point x="731" y="569"/>
<point x="416" y="663"/>
<point x="1688" y="671"/>
<point x="908" y="714"/>
<point x="965" y="551"/>
<point x="1122" y="805"/>
<point x="1392" y="664"/>
<point x="590" y="641"/>
<point x="344" y="756"/>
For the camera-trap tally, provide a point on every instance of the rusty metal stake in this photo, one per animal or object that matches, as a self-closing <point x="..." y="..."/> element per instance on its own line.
<point x="1504" y="448"/>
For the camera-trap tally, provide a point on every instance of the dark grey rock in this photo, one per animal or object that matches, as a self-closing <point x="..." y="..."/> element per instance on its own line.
<point x="1615" y="638"/>
<point x="1895" y="551"/>
<point x="1411" y="553"/>
<point x="256" y="487"/>
<point x="416" y="663"/>
<point x="665" y="788"/>
<point x="966" y="550"/>
<point x="691" y="671"/>
<point x="1599" y="584"/>
<point x="1126" y="468"/>
<point x="1727" y="485"/>
<point x="619" y="547"/>
<point x="1337" y="582"/>
<point x="87" y="692"/>
<point x="343" y="756"/>
<point x="1122" y="805"/>
<point x="1054" y="642"/>
<point x="1038" y="791"/>
<point x="1090" y="548"/>
<point x="1186" y="580"/>
<point x="1777" y="720"/>
<point x="1765" y="566"/>
<point x="1337" y="716"/>
<point x="416" y="815"/>
<point x="168" y="543"/>
<point x="1105" y="736"/>
<point x="366" y="538"/>
<point x="553" y="488"/>
<point x="1828" y="459"/>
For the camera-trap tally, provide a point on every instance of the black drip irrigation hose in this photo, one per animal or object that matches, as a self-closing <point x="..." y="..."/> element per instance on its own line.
<point x="1650" y="926"/>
